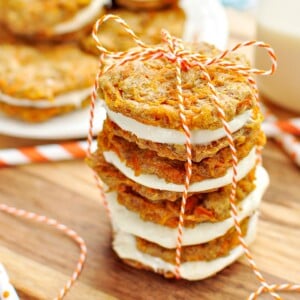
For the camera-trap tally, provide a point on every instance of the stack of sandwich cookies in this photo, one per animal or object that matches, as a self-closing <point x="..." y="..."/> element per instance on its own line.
<point x="43" y="74"/>
<point x="141" y="158"/>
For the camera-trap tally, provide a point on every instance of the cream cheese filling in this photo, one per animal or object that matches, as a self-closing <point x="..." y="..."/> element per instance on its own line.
<point x="82" y="18"/>
<point x="155" y="182"/>
<point x="72" y="98"/>
<point x="130" y="222"/>
<point x="124" y="245"/>
<point x="173" y="136"/>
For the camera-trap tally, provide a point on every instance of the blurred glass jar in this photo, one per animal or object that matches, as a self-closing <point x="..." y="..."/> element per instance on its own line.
<point x="278" y="23"/>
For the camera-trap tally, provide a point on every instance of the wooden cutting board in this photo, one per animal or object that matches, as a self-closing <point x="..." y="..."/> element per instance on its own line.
<point x="40" y="260"/>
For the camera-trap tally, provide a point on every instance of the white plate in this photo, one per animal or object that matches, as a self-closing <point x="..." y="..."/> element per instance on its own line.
<point x="72" y="125"/>
<point x="206" y="21"/>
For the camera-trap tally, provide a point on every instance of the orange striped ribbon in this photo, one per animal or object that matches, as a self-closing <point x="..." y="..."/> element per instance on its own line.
<point x="291" y="126"/>
<point x="44" y="153"/>
<point x="288" y="142"/>
<point x="184" y="59"/>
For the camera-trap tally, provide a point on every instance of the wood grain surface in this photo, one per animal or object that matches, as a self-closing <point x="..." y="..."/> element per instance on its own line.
<point x="39" y="260"/>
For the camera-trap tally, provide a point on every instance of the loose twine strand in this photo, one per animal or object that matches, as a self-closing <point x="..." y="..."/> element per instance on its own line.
<point x="65" y="230"/>
<point x="183" y="60"/>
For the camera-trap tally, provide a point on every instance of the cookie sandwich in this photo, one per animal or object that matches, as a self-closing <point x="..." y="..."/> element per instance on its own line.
<point x="50" y="19"/>
<point x="141" y="158"/>
<point x="40" y="82"/>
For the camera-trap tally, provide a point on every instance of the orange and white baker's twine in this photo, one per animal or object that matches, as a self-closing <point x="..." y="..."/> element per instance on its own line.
<point x="283" y="134"/>
<point x="183" y="60"/>
<point x="61" y="227"/>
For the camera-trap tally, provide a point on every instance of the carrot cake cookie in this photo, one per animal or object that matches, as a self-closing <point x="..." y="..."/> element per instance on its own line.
<point x="38" y="83"/>
<point x="147" y="24"/>
<point x="50" y="19"/>
<point x="141" y="159"/>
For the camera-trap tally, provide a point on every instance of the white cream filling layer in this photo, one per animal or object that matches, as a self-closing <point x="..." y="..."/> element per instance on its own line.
<point x="130" y="222"/>
<point x="124" y="245"/>
<point x="82" y="18"/>
<point x="153" y="181"/>
<point x="173" y="136"/>
<point x="72" y="98"/>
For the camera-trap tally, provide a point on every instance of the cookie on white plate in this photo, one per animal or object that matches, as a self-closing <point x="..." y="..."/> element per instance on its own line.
<point x="50" y="19"/>
<point x="43" y="81"/>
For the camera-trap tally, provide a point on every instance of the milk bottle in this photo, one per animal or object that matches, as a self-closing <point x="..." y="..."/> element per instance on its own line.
<point x="278" y="23"/>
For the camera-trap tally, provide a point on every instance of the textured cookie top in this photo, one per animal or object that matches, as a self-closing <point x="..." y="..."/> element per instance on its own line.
<point x="146" y="24"/>
<point x="37" y="16"/>
<point x="146" y="91"/>
<point x="45" y="71"/>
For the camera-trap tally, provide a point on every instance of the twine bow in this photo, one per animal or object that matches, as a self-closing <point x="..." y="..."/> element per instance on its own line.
<point x="183" y="60"/>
